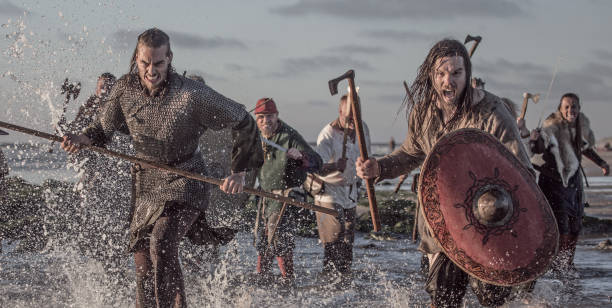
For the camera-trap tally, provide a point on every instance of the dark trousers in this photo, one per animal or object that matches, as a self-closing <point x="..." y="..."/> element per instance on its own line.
<point x="159" y="279"/>
<point x="337" y="235"/>
<point x="447" y="283"/>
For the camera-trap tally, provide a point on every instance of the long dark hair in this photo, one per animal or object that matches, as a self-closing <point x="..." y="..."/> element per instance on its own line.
<point x="577" y="142"/>
<point x="153" y="38"/>
<point x="422" y="89"/>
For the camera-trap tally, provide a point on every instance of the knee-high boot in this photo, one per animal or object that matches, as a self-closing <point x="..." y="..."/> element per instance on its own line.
<point x="571" y="251"/>
<point x="264" y="263"/>
<point x="285" y="265"/>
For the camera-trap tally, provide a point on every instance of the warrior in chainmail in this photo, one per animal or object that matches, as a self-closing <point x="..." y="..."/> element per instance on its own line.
<point x="165" y="114"/>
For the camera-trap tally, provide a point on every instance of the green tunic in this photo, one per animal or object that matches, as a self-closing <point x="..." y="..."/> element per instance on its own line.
<point x="280" y="172"/>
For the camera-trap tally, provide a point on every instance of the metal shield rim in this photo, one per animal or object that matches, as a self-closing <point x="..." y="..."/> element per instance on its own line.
<point x="514" y="277"/>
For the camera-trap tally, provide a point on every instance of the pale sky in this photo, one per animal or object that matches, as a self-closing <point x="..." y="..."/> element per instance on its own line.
<point x="289" y="49"/>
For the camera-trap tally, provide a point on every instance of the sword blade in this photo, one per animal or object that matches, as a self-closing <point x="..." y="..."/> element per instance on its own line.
<point x="268" y="142"/>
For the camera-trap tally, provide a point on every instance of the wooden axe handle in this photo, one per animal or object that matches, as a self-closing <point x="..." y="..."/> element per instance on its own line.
<point x="524" y="107"/>
<point x="473" y="49"/>
<point x="364" y="153"/>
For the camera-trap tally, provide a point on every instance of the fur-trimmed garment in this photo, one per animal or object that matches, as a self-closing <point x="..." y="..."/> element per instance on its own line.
<point x="558" y="137"/>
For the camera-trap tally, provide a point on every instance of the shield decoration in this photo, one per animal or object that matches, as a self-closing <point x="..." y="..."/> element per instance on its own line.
<point x="485" y="209"/>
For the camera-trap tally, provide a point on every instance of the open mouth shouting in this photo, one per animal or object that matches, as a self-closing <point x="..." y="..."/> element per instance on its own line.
<point x="449" y="95"/>
<point x="152" y="78"/>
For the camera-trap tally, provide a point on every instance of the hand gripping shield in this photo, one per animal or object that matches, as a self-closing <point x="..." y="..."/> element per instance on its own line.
<point x="486" y="210"/>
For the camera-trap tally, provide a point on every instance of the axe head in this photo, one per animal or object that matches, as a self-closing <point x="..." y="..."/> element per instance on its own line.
<point x="470" y="38"/>
<point x="534" y="97"/>
<point x="333" y="84"/>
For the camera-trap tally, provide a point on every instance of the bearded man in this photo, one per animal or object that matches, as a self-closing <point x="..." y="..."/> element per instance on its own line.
<point x="165" y="114"/>
<point x="283" y="172"/>
<point x="444" y="102"/>
<point x="565" y="137"/>
<point x="340" y="191"/>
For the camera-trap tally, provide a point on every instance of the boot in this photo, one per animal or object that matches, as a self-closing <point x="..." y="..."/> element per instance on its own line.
<point x="345" y="258"/>
<point x="564" y="261"/>
<point x="571" y="252"/>
<point x="285" y="265"/>
<point x="328" y="255"/>
<point x="264" y="263"/>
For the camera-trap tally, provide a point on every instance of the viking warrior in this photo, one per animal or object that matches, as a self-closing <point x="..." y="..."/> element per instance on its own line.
<point x="165" y="114"/>
<point x="445" y="102"/>
<point x="104" y="187"/>
<point x="89" y="111"/>
<point x="337" y="146"/>
<point x="287" y="159"/>
<point x="564" y="138"/>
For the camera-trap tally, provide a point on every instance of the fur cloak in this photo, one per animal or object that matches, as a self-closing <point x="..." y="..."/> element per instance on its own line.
<point x="558" y="138"/>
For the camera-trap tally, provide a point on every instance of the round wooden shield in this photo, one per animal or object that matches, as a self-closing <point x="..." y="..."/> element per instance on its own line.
<point x="486" y="210"/>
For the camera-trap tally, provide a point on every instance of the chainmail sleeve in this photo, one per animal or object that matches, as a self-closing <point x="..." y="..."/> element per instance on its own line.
<point x="111" y="117"/>
<point x="216" y="112"/>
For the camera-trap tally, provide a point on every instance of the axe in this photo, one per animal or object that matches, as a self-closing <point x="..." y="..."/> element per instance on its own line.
<point x="333" y="89"/>
<point x="70" y="90"/>
<point x="476" y="40"/>
<point x="526" y="96"/>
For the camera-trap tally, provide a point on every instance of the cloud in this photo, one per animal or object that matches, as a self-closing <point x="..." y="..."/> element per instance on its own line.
<point x="358" y="49"/>
<point x="402" y="9"/>
<point x="394" y="99"/>
<point x="127" y="38"/>
<point x="603" y="54"/>
<point x="298" y="66"/>
<point x="7" y="8"/>
<point x="318" y="103"/>
<point x="503" y="66"/>
<point x="368" y="83"/>
<point x="207" y="76"/>
<point x="404" y="35"/>
<point x="590" y="81"/>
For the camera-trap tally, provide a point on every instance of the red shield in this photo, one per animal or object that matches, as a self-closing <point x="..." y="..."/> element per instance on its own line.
<point x="486" y="210"/>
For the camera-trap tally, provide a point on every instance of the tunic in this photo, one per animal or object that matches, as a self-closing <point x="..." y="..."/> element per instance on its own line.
<point x="281" y="174"/>
<point x="340" y="188"/>
<point x="487" y="113"/>
<point x="166" y="128"/>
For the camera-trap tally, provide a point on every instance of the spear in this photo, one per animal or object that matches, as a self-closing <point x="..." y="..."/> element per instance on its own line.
<point x="180" y="172"/>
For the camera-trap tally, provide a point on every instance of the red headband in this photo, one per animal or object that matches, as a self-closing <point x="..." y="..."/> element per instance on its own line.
<point x="265" y="105"/>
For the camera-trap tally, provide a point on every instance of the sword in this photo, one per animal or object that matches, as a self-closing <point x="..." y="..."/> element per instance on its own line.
<point x="274" y="145"/>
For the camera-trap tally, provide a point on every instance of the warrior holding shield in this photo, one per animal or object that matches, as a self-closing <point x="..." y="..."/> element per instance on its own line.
<point x="477" y="190"/>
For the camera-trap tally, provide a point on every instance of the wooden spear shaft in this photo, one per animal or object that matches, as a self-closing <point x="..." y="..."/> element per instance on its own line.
<point x="364" y="154"/>
<point x="180" y="172"/>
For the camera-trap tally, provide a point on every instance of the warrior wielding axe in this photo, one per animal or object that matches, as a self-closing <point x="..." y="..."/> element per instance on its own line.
<point x="70" y="90"/>
<point x="333" y="89"/>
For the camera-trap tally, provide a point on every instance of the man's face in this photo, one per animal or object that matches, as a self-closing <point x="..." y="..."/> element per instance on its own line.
<point x="449" y="79"/>
<point x="153" y="65"/>
<point x="569" y="109"/>
<point x="103" y="87"/>
<point x="345" y="114"/>
<point x="267" y="122"/>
